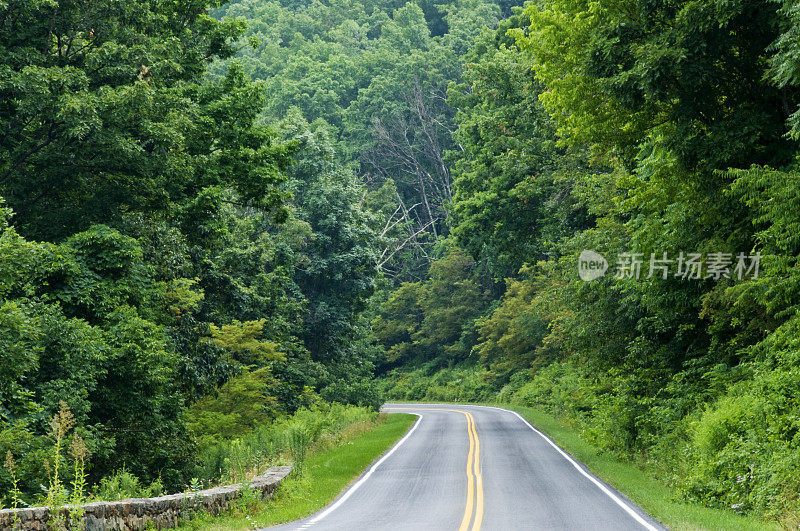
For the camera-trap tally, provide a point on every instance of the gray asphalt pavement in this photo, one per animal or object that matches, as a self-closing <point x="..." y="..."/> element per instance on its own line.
<point x="472" y="467"/>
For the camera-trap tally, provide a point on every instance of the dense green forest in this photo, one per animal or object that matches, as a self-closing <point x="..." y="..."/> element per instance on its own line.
<point x="201" y="205"/>
<point x="222" y="219"/>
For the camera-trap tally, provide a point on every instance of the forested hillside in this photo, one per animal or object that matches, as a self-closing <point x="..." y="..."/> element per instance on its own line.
<point x="201" y="203"/>
<point x="218" y="219"/>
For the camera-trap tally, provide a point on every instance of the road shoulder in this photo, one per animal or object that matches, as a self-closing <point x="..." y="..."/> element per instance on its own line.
<point x="657" y="499"/>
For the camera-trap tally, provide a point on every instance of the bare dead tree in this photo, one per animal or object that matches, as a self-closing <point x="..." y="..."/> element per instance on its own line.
<point x="399" y="247"/>
<point x="400" y="232"/>
<point x="408" y="147"/>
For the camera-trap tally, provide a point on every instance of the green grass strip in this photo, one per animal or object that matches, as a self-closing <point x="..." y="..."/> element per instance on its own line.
<point x="325" y="474"/>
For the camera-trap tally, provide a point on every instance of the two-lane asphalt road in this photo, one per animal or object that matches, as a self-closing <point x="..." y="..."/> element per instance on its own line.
<point x="470" y="468"/>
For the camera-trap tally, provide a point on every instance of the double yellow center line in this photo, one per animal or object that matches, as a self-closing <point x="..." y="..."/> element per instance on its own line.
<point x="474" y="478"/>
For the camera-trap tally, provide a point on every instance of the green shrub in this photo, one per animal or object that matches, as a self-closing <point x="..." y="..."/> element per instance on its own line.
<point x="746" y="446"/>
<point x="124" y="485"/>
<point x="461" y="383"/>
<point x="365" y="393"/>
<point x="281" y="441"/>
<point x="239" y="406"/>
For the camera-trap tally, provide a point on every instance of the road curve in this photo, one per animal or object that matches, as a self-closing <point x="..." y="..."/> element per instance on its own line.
<point x="464" y="467"/>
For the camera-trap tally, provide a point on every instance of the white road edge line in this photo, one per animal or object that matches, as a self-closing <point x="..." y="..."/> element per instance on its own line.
<point x="364" y="478"/>
<point x="628" y="509"/>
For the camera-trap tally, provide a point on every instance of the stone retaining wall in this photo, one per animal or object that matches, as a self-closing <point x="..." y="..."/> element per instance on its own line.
<point x="137" y="513"/>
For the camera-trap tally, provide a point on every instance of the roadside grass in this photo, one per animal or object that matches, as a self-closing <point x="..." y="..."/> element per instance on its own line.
<point x="656" y="498"/>
<point x="328" y="468"/>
